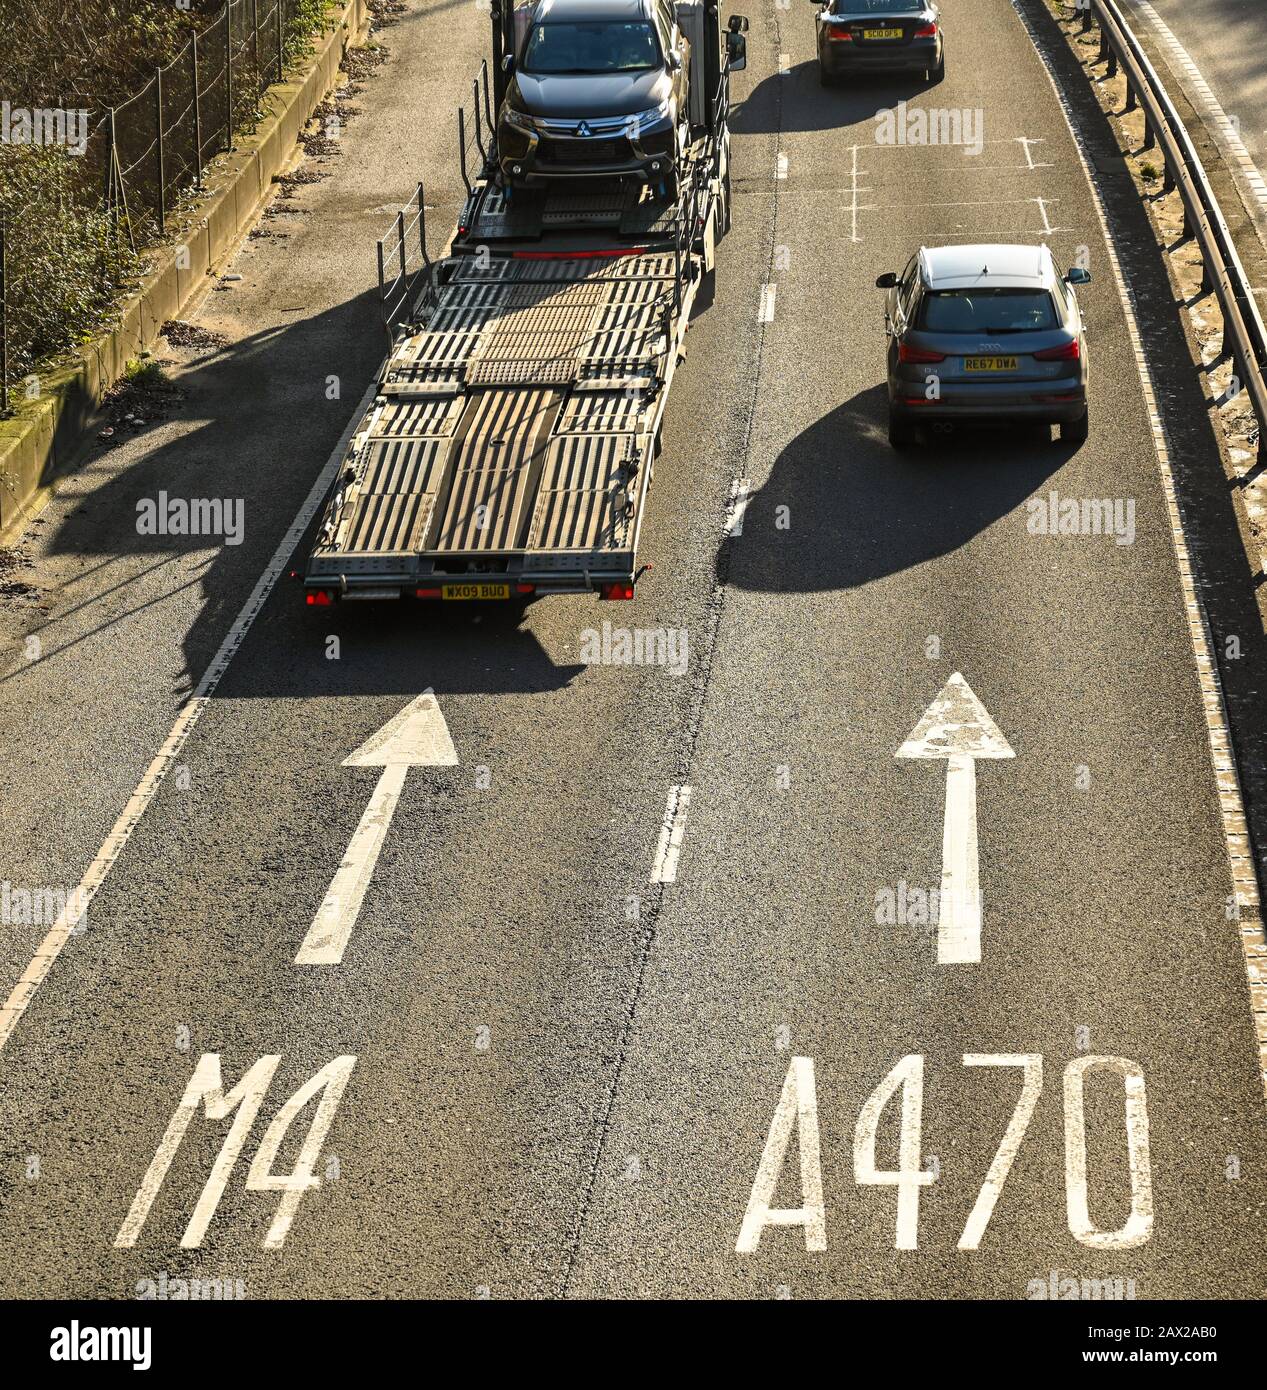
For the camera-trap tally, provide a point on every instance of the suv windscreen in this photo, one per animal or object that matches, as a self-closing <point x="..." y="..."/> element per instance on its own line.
<point x="987" y="311"/>
<point x="598" y="46"/>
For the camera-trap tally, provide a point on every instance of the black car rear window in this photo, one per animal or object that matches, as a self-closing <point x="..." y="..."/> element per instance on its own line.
<point x="987" y="311"/>
<point x="877" y="6"/>
<point x="597" y="46"/>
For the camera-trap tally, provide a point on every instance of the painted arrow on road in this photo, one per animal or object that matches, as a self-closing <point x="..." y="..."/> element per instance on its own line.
<point x="416" y="737"/>
<point x="957" y="728"/>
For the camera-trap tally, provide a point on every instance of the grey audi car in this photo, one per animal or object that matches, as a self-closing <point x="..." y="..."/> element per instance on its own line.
<point x="599" y="89"/>
<point x="985" y="333"/>
<point x="856" y="37"/>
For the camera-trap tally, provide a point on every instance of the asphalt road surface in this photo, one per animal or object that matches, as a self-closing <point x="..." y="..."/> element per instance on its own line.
<point x="565" y="1073"/>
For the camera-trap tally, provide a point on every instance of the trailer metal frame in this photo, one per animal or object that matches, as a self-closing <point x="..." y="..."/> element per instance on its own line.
<point x="510" y="446"/>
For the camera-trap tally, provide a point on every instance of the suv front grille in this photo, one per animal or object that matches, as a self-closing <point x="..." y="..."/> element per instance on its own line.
<point x="556" y="151"/>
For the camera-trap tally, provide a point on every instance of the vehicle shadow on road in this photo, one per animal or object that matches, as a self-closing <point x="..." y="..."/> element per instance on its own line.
<point x="857" y="511"/>
<point x="260" y="429"/>
<point x="799" y="102"/>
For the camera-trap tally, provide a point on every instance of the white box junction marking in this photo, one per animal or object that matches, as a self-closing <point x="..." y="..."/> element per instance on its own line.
<point x="415" y="737"/>
<point x="957" y="728"/>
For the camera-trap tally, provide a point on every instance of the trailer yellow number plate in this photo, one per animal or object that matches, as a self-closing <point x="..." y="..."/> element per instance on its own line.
<point x="881" y="33"/>
<point x="989" y="364"/>
<point x="477" y="591"/>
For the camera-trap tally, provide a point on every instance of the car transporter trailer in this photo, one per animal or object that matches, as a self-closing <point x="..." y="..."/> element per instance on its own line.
<point x="509" y="448"/>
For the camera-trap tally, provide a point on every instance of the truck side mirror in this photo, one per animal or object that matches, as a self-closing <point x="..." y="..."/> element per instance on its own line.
<point x="675" y="62"/>
<point x="738" y="24"/>
<point x="508" y="63"/>
<point x="1078" y="276"/>
<point x="887" y="281"/>
<point x="736" y="51"/>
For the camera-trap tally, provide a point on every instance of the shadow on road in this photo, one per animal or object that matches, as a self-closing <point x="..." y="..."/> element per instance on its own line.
<point x="875" y="512"/>
<point x="799" y="102"/>
<point x="264" y="430"/>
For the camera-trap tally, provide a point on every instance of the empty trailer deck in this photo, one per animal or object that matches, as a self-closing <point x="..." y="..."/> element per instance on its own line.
<point x="512" y="431"/>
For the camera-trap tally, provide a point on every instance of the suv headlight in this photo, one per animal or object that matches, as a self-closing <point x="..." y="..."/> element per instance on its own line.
<point x="521" y="120"/>
<point x="652" y="116"/>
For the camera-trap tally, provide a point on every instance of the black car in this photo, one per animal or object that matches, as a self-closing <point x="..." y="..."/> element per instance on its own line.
<point x="856" y="37"/>
<point x="600" y="88"/>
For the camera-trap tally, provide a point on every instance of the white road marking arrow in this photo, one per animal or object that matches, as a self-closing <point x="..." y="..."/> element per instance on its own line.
<point x="416" y="737"/>
<point x="956" y="727"/>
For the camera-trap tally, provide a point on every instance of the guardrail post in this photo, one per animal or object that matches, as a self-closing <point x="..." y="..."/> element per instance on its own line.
<point x="1131" y="102"/>
<point x="1150" y="135"/>
<point x="1085" y="7"/>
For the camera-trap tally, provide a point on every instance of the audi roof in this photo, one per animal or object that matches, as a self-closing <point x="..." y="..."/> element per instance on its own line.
<point x="1009" y="267"/>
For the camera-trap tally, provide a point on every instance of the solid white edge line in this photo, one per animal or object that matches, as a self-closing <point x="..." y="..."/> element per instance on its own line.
<point x="61" y="931"/>
<point x="1240" y="855"/>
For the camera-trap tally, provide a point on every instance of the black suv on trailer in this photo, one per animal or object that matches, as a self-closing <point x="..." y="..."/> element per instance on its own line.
<point x="599" y="90"/>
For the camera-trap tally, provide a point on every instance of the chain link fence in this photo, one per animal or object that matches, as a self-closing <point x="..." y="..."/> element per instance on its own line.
<point x="86" y="215"/>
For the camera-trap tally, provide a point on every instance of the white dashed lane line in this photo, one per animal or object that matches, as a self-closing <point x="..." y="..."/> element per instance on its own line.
<point x="739" y="495"/>
<point x="765" y="310"/>
<point x="672" y="832"/>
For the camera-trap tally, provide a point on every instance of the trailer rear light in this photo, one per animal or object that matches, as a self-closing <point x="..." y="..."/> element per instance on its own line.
<point x="906" y="353"/>
<point x="319" y="598"/>
<point x="616" y="591"/>
<point x="427" y="593"/>
<point x="917" y="400"/>
<point x="1066" y="352"/>
<point x="926" y="31"/>
<point x="525" y="588"/>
